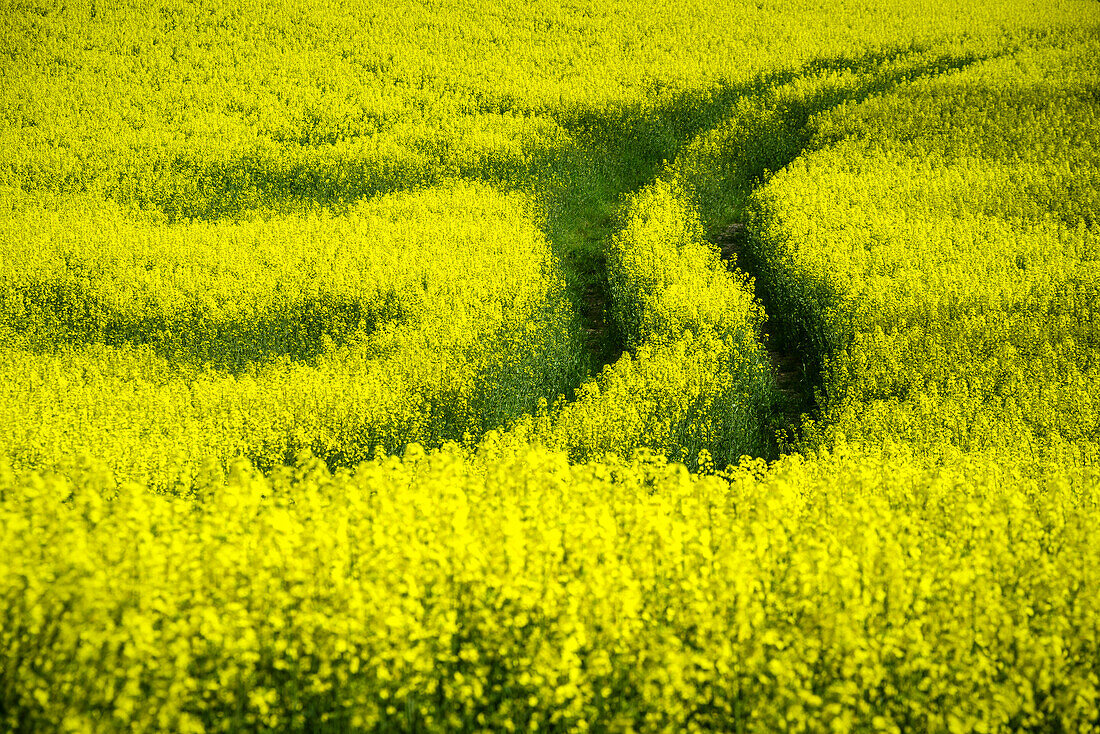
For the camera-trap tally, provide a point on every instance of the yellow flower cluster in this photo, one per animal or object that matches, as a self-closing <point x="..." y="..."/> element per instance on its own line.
<point x="845" y="593"/>
<point x="411" y="318"/>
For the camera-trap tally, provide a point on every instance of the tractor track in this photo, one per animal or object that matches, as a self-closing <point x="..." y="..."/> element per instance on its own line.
<point x="788" y="366"/>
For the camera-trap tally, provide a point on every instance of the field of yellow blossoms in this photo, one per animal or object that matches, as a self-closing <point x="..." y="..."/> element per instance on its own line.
<point x="444" y="366"/>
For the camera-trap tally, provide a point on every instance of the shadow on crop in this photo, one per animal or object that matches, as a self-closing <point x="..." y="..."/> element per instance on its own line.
<point x="301" y="331"/>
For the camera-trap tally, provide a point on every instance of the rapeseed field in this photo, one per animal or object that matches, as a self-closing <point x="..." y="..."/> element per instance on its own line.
<point x="569" y="367"/>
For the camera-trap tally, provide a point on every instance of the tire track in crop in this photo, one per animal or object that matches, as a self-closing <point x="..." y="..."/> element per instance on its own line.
<point x="600" y="334"/>
<point x="788" y="365"/>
